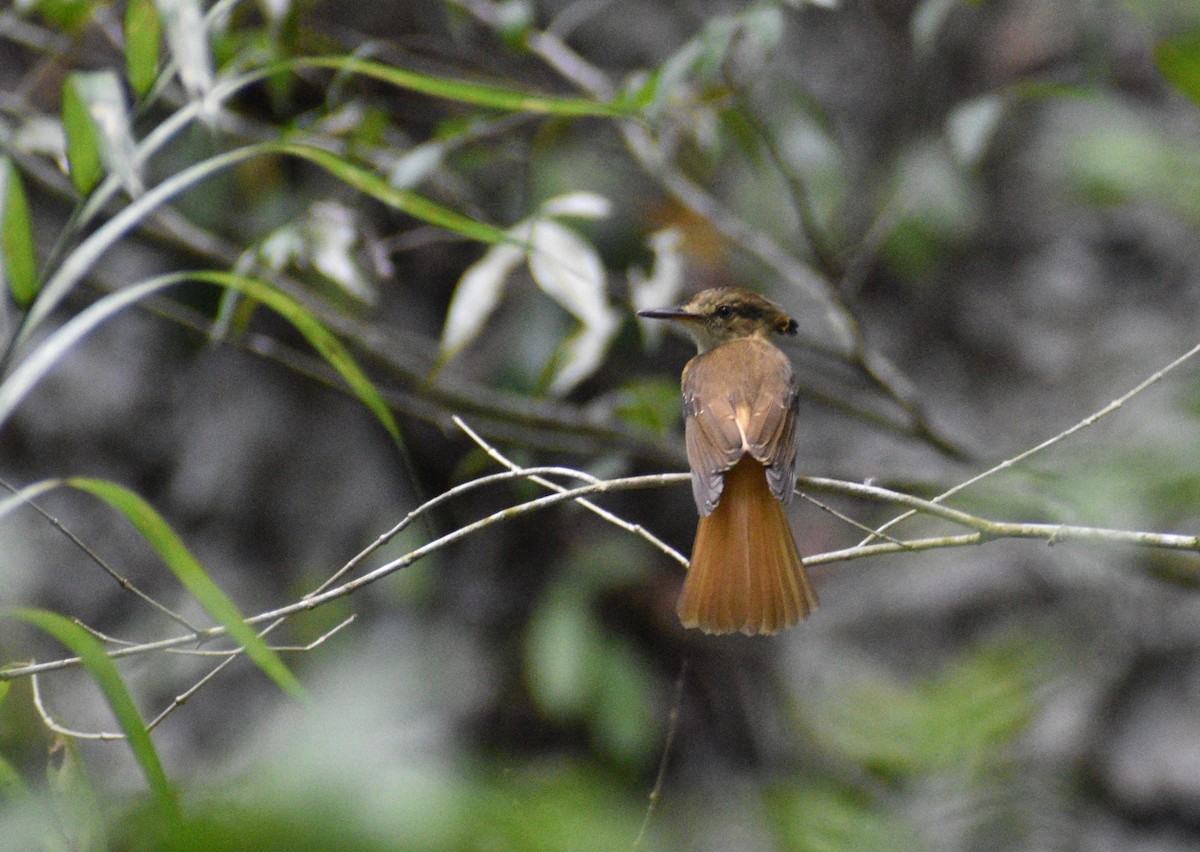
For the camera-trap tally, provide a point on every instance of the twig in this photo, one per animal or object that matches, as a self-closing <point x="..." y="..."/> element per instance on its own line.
<point x="54" y="726"/>
<point x="987" y="529"/>
<point x="1020" y="457"/>
<point x="982" y="530"/>
<point x="282" y="649"/>
<point x="661" y="778"/>
<point x="635" y="529"/>
<point x="842" y="516"/>
<point x="185" y="696"/>
<point x="800" y="197"/>
<point x="502" y="415"/>
<point x="357" y="560"/>
<point x="514" y="472"/>
<point x="57" y="728"/>
<point x="108" y="569"/>
<point x="912" y="545"/>
<point x="446" y="496"/>
<point x="312" y="601"/>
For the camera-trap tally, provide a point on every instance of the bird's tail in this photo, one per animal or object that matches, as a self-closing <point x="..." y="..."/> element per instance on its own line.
<point x="746" y="573"/>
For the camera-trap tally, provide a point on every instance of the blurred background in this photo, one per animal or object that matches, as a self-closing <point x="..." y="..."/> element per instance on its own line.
<point x="985" y="217"/>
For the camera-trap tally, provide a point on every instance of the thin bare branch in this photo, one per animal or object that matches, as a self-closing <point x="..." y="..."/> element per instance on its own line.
<point x="54" y="726"/>
<point x="1051" y="533"/>
<point x="282" y="649"/>
<point x="1050" y="442"/>
<point x="104" y="566"/>
<point x="801" y="199"/>
<point x="862" y="551"/>
<point x="982" y="530"/>
<point x="233" y="654"/>
<point x="635" y="529"/>
<point x="660" y="778"/>
<point x="843" y="517"/>
<point x="312" y="601"/>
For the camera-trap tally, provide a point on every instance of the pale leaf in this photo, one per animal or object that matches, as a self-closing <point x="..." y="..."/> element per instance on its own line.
<point x="187" y="37"/>
<point x="583" y="352"/>
<point x="104" y="97"/>
<point x="580" y="205"/>
<point x="662" y="286"/>
<point x="332" y="238"/>
<point x="568" y="269"/>
<point x="971" y="125"/>
<point x="477" y="294"/>
<point x="416" y="164"/>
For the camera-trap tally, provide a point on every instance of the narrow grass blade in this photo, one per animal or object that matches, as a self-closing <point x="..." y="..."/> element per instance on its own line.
<point x="85" y="255"/>
<point x="415" y="205"/>
<point x="174" y="553"/>
<point x="479" y="94"/>
<point x="104" y="673"/>
<point x="321" y="339"/>
<point x="17" y="386"/>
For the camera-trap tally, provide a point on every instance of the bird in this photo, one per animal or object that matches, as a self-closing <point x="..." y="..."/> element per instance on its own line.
<point x="739" y="403"/>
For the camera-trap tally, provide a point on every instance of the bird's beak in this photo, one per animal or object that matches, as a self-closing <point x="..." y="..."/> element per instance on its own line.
<point x="677" y="313"/>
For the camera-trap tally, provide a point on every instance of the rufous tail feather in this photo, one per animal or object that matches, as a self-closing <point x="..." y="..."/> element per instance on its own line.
<point x="746" y="574"/>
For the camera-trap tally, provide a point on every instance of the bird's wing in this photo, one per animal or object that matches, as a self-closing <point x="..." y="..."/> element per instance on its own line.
<point x="752" y="410"/>
<point x="771" y="422"/>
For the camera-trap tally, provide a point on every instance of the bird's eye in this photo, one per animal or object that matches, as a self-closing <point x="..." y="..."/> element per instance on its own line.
<point x="724" y="312"/>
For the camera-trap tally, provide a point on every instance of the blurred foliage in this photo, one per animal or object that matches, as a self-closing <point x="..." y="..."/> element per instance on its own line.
<point x="333" y="789"/>
<point x="651" y="404"/>
<point x="824" y="818"/>
<point x="578" y="671"/>
<point x="962" y="720"/>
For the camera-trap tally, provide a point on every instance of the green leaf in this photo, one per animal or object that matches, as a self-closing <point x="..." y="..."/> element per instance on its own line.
<point x="550" y="807"/>
<point x="479" y="94"/>
<point x="982" y="702"/>
<point x="404" y="200"/>
<point x="651" y="404"/>
<point x="321" y="339"/>
<point x="623" y="718"/>
<point x="18" y="264"/>
<point x="77" y="812"/>
<point x="100" y="97"/>
<point x="12" y="787"/>
<point x="514" y="22"/>
<point x="83" y="140"/>
<point x="81" y="260"/>
<point x="1128" y="158"/>
<point x="195" y="579"/>
<point x="561" y="648"/>
<point x="143" y="38"/>
<point x="824" y="817"/>
<point x="962" y="718"/>
<point x="640" y="90"/>
<point x="69" y="15"/>
<point x="1178" y="59"/>
<point x="17" y="385"/>
<point x="104" y="673"/>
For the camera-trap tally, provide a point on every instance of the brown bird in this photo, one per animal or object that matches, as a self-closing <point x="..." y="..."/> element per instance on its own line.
<point x="739" y="402"/>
